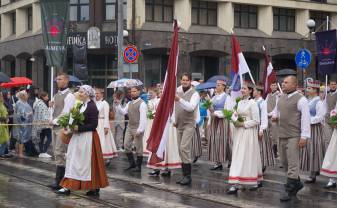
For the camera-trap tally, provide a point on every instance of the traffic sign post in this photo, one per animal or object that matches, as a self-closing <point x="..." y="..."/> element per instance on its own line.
<point x="303" y="60"/>
<point x="130" y="56"/>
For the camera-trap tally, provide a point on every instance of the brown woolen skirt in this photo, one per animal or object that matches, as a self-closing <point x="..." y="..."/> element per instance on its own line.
<point x="99" y="178"/>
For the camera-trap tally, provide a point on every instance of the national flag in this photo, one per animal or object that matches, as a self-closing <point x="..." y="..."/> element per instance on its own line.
<point x="239" y="67"/>
<point x="160" y="129"/>
<point x="269" y="75"/>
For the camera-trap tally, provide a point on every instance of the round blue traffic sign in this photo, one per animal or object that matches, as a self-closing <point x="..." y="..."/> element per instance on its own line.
<point x="303" y="58"/>
<point x="131" y="54"/>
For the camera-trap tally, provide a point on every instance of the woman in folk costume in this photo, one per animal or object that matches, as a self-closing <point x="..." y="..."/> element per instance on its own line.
<point x="85" y="168"/>
<point x="107" y="141"/>
<point x="219" y="137"/>
<point x="171" y="157"/>
<point x="266" y="146"/>
<point x="196" y="150"/>
<point x="246" y="161"/>
<point x="311" y="157"/>
<point x="329" y="167"/>
<point x="151" y="109"/>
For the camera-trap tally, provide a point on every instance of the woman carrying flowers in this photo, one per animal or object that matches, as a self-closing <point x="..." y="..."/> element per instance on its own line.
<point x="220" y="141"/>
<point x="246" y="161"/>
<point x="85" y="169"/>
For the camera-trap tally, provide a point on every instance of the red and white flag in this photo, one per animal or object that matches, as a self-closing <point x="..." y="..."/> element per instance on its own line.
<point x="269" y="76"/>
<point x="159" y="135"/>
<point x="239" y="67"/>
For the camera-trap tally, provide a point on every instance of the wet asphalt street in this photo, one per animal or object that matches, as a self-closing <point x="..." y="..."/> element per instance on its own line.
<point x="23" y="183"/>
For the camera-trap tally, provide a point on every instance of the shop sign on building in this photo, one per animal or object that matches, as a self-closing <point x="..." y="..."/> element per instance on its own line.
<point x="94" y="40"/>
<point x="107" y="39"/>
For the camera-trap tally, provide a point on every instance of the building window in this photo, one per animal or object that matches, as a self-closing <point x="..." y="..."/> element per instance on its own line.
<point x="110" y="9"/>
<point x="320" y="1"/>
<point x="13" y="23"/>
<point x="320" y="20"/>
<point x="159" y="10"/>
<point x="204" y="13"/>
<point x="79" y="10"/>
<point x="284" y="20"/>
<point x="29" y="19"/>
<point x="245" y="16"/>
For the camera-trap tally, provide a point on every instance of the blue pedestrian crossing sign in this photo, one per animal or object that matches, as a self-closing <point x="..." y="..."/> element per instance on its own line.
<point x="303" y="58"/>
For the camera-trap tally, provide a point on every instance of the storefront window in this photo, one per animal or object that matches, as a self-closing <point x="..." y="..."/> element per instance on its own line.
<point x="155" y="69"/>
<point x="208" y="66"/>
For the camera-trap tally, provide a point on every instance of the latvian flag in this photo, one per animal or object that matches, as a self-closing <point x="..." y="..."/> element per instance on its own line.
<point x="239" y="67"/>
<point x="160" y="129"/>
<point x="269" y="75"/>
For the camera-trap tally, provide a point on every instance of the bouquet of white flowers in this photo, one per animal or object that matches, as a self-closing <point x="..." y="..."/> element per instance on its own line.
<point x="69" y="121"/>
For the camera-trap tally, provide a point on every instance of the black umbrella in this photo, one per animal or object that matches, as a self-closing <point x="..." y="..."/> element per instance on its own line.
<point x="4" y="77"/>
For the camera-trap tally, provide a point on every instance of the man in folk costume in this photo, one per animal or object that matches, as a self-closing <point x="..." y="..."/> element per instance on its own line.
<point x="219" y="139"/>
<point x="292" y="113"/>
<point x="331" y="99"/>
<point x="85" y="168"/>
<point x="103" y="129"/>
<point x="136" y="111"/>
<point x="271" y="100"/>
<point x="313" y="154"/>
<point x="62" y="103"/>
<point x="186" y="106"/>
<point x="265" y="143"/>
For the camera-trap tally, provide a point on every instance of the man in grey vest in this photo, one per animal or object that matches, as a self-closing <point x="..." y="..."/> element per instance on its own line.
<point x="186" y="107"/>
<point x="331" y="99"/>
<point x="136" y="111"/>
<point x="292" y="113"/>
<point x="61" y="104"/>
<point x="271" y="99"/>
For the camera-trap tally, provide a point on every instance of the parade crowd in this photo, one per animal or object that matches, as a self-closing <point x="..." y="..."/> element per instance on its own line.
<point x="247" y="134"/>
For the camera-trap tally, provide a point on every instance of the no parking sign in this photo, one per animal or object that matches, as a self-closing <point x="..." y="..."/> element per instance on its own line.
<point x="131" y="54"/>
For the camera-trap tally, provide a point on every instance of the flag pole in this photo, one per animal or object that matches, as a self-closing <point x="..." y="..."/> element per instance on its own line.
<point x="326" y="75"/>
<point x="251" y="77"/>
<point x="52" y="83"/>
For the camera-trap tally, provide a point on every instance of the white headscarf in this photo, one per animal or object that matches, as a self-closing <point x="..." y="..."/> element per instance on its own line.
<point x="88" y="91"/>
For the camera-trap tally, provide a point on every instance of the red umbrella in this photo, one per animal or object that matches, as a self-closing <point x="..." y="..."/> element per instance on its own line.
<point x="17" y="82"/>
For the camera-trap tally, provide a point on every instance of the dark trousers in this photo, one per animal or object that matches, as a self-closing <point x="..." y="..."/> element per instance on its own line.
<point x="45" y="145"/>
<point x="30" y="149"/>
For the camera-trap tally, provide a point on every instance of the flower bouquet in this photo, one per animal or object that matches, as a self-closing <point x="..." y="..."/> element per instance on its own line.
<point x="333" y="119"/>
<point x="69" y="121"/>
<point x="207" y="104"/>
<point x="232" y="115"/>
<point x="150" y="114"/>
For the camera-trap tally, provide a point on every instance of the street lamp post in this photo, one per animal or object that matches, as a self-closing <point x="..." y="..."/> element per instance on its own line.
<point x="120" y="28"/>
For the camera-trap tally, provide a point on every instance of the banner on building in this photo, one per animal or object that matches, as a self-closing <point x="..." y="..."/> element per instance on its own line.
<point x="55" y="21"/>
<point x="326" y="52"/>
<point x="80" y="61"/>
